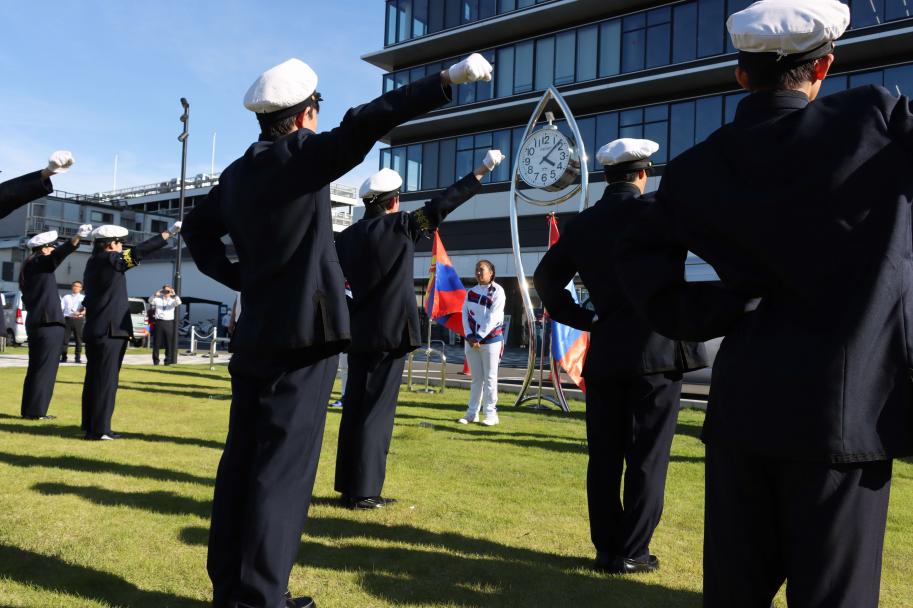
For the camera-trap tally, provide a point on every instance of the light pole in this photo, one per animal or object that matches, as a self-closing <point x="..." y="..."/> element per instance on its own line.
<point x="185" y="119"/>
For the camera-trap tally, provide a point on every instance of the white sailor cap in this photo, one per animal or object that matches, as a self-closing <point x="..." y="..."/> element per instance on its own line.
<point x="42" y="239"/>
<point x="801" y="30"/>
<point x="628" y="154"/>
<point x="282" y="91"/>
<point x="109" y="231"/>
<point x="380" y="187"/>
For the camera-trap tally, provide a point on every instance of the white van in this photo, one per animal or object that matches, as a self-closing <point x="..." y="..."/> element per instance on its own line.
<point x="14" y="313"/>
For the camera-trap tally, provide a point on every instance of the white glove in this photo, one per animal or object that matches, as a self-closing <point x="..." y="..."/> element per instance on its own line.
<point x="473" y="68"/>
<point x="60" y="162"/>
<point x="84" y="231"/>
<point x="175" y="228"/>
<point x="492" y="159"/>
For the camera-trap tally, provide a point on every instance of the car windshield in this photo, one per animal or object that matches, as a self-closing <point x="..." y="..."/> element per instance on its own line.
<point x="137" y="308"/>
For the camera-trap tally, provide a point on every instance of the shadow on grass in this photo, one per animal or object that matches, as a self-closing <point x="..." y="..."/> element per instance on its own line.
<point x="465" y="571"/>
<point x="168" y="388"/>
<point x="555" y="444"/>
<point x="88" y="465"/>
<point x="172" y="371"/>
<point x="53" y="574"/>
<point x="155" y="502"/>
<point x="72" y="432"/>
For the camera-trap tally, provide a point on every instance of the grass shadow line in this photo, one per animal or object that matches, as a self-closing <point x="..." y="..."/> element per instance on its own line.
<point x="88" y="465"/>
<point x="168" y="503"/>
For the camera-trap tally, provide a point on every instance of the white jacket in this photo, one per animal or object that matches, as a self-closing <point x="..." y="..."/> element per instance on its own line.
<point x="483" y="313"/>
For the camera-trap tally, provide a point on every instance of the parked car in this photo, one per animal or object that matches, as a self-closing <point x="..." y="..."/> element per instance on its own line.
<point x="14" y="313"/>
<point x="139" y="314"/>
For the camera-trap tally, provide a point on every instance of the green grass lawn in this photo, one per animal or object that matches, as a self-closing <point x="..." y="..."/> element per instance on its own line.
<point x="487" y="516"/>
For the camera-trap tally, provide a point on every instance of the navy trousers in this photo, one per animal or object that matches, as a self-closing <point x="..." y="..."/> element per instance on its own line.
<point x="99" y="391"/>
<point x="817" y="526"/>
<point x="366" y="427"/>
<point x="44" y="359"/>
<point x="630" y="423"/>
<point x="266" y="476"/>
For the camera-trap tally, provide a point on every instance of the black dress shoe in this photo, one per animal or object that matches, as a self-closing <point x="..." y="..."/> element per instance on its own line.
<point x="369" y="502"/>
<point x="626" y="565"/>
<point x="300" y="602"/>
<point x="114" y="435"/>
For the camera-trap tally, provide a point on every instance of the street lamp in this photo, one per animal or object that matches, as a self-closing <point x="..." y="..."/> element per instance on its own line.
<point x="185" y="119"/>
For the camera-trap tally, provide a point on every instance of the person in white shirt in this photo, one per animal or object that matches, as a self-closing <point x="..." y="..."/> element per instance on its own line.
<point x="74" y="317"/>
<point x="164" y="302"/>
<point x="483" y="325"/>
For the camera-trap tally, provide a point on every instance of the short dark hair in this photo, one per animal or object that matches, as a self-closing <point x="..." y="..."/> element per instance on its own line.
<point x="612" y="177"/>
<point x="75" y="282"/>
<point x="278" y="128"/>
<point x="766" y="73"/>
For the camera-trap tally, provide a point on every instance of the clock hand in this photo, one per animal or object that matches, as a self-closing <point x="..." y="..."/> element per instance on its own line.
<point x="545" y="158"/>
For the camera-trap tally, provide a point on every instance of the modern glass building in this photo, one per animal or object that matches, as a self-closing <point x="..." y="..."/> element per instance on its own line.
<point x="627" y="68"/>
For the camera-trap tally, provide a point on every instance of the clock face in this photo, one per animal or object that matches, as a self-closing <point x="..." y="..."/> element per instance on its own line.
<point x="545" y="158"/>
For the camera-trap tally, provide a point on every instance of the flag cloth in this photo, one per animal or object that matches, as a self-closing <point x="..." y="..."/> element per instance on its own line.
<point x="445" y="292"/>
<point x="569" y="345"/>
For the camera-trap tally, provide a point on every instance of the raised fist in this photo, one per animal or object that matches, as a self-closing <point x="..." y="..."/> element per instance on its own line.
<point x="60" y="162"/>
<point x="472" y="69"/>
<point x="492" y="159"/>
<point x="84" y="231"/>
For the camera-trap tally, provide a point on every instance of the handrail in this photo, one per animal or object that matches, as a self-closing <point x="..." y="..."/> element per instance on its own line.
<point x="213" y="339"/>
<point x="443" y="363"/>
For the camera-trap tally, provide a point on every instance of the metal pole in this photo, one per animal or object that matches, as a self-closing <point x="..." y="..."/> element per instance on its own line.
<point x="185" y="119"/>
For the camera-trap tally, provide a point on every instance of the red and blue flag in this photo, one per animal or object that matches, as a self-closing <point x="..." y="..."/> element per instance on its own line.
<point x="446" y="294"/>
<point x="569" y="345"/>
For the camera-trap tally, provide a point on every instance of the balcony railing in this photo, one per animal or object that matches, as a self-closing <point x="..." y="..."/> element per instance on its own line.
<point x="67" y="229"/>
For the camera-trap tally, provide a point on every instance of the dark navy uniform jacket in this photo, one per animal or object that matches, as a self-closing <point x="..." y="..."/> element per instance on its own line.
<point x="377" y="254"/>
<point x="274" y="202"/>
<point x="806" y="205"/>
<point x="20" y="190"/>
<point x="39" y="286"/>
<point x="621" y="342"/>
<point x="106" y="302"/>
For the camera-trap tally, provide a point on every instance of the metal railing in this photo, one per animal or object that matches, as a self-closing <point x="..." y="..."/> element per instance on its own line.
<point x="211" y="337"/>
<point x="68" y="228"/>
<point x="428" y="351"/>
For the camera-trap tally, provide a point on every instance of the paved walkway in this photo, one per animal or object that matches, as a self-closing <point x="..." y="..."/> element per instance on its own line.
<point x="22" y="360"/>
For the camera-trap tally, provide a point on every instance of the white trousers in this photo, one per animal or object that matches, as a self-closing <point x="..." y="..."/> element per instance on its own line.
<point x="343" y="371"/>
<point x="483" y="365"/>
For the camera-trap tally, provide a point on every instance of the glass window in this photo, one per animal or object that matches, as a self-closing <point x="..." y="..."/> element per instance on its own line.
<point x="470" y="10"/>
<point x="833" y="84"/>
<point x="866" y="78"/>
<point x="504" y="72"/>
<point x="899" y="80"/>
<point x="732" y="104"/>
<point x="466" y="93"/>
<point x="402" y="78"/>
<point x="419" y="18"/>
<point x="523" y="67"/>
<point x="483" y="140"/>
<point x="416" y="74"/>
<point x="709" y="27"/>
<point x="464" y="163"/>
<point x="658" y="132"/>
<point x="385" y="158"/>
<point x="637" y="21"/>
<point x="452" y="13"/>
<point x="565" y="46"/>
<point x="465" y="143"/>
<point x="525" y="3"/>
<point x="681" y="132"/>
<point x="587" y="128"/>
<point x="413" y="177"/>
<point x="897" y="9"/>
<point x="447" y="160"/>
<point x="391" y="22"/>
<point x="610" y="48"/>
<point x="545" y="62"/>
<point x="633" y="131"/>
<point x="632" y="43"/>
<point x="708" y="116"/>
<point x="399" y="160"/>
<point x="631" y="117"/>
<point x="606" y="128"/>
<point x="866" y="12"/>
<point x="684" y="32"/>
<point x="405" y="21"/>
<point x="587" y="39"/>
<point x="389" y="83"/>
<point x="656" y="113"/>
<point x="659" y="37"/>
<point x="506" y="5"/>
<point x="484" y="88"/>
<point x="429" y="165"/>
<point x="501" y="141"/>
<point x="435" y="16"/>
<point x="487" y="8"/>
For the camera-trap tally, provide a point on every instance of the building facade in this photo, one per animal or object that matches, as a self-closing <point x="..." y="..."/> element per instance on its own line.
<point x="627" y="68"/>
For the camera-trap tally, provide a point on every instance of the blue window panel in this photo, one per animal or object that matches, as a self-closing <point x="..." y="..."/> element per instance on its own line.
<point x="446" y="163"/>
<point x="632" y="50"/>
<point x="631" y="117"/>
<point x="516" y="137"/>
<point x="504" y="72"/>
<point x="477" y="160"/>
<point x="429" y="165"/>
<point x="389" y="83"/>
<point x="659" y="50"/>
<point x="385" y="158"/>
<point x="656" y="113"/>
<point x="732" y="104"/>
<point x="402" y="78"/>
<point x="435" y="16"/>
<point x="506" y="5"/>
<point x="587" y="128"/>
<point x="419" y="18"/>
<point x="866" y="78"/>
<point x="452" y="13"/>
<point x="466" y="142"/>
<point x="606" y="128"/>
<point x="897" y="9"/>
<point x="523" y="67"/>
<point x="390" y="37"/>
<point x="710" y="27"/>
<point x="637" y="21"/>
<point x="404" y="31"/>
<point x="735" y="6"/>
<point x="899" y="80"/>
<point x="636" y="132"/>
<point x="525" y="3"/>
<point x="833" y="84"/>
<point x="469" y="11"/>
<point x="399" y="160"/>
<point x="487" y="8"/>
<point x="484" y="88"/>
<point x="684" y="33"/>
<point x="708" y="116"/>
<point x="866" y="12"/>
<point x="464" y="163"/>
<point x="501" y="141"/>
<point x="413" y="178"/>
<point x="466" y="93"/>
<point x="482" y="140"/>
<point x="610" y="48"/>
<point x="545" y="62"/>
<point x="587" y="43"/>
<point x="416" y="74"/>
<point x="658" y="132"/>
<point x="681" y="128"/>
<point x="659" y="15"/>
<point x="565" y="50"/>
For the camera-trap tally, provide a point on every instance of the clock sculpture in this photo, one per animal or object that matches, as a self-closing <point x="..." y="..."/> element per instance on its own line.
<point x="547" y="172"/>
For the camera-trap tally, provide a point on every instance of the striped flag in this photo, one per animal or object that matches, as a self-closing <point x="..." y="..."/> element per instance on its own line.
<point x="446" y="294"/>
<point x="569" y="345"/>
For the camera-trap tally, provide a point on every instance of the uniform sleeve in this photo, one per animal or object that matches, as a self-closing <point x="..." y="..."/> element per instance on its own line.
<point x="467" y="331"/>
<point x="49" y="263"/>
<point x="21" y="190"/>
<point x="554" y="272"/>
<point x="900" y="122"/>
<point x="650" y="260"/>
<point x="203" y="230"/>
<point x="427" y="219"/>
<point x="319" y="158"/>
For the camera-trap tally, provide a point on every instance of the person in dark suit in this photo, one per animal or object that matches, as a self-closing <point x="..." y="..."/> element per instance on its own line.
<point x="18" y="191"/>
<point x="633" y="375"/>
<point x="44" y="323"/>
<point x="274" y="202"/>
<point x="376" y="254"/>
<point x="808" y="209"/>
<point x="108" y="324"/>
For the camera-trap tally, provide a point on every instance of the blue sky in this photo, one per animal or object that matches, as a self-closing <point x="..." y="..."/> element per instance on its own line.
<point x="104" y="78"/>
